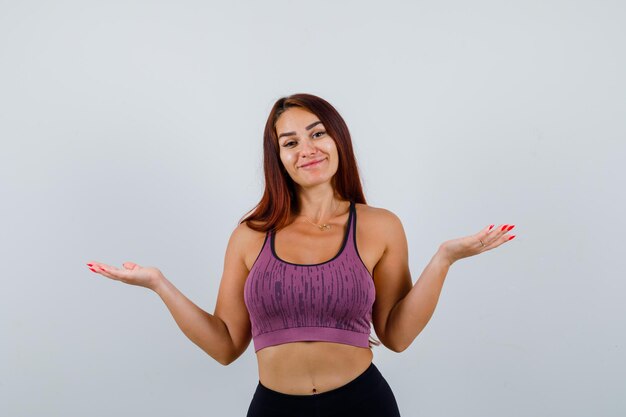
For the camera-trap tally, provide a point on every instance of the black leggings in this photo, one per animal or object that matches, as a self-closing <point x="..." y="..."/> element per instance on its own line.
<point x="368" y="395"/>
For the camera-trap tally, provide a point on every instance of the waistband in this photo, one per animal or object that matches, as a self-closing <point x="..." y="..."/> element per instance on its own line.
<point x="353" y="392"/>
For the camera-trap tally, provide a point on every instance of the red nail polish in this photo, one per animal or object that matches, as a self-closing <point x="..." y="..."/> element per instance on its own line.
<point x="512" y="237"/>
<point x="504" y="227"/>
<point x="93" y="270"/>
<point x="491" y="227"/>
<point x="89" y="264"/>
<point x="510" y="227"/>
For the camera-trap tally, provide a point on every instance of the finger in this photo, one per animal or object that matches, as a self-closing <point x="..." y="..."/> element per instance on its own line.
<point x="110" y="271"/>
<point x="90" y="265"/>
<point x="95" y="266"/>
<point x="491" y="231"/>
<point x="482" y="237"/>
<point x="99" y="267"/>
<point x="503" y="232"/>
<point x="491" y="236"/>
<point x="92" y="269"/>
<point x="500" y="230"/>
<point x="502" y="239"/>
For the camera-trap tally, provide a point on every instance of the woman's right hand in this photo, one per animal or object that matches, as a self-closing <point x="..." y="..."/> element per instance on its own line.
<point x="133" y="274"/>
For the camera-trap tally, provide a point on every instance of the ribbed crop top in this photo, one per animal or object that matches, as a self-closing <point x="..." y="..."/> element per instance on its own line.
<point x="330" y="301"/>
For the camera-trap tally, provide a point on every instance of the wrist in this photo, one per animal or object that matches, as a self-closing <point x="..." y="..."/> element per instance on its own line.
<point x="160" y="284"/>
<point x="443" y="255"/>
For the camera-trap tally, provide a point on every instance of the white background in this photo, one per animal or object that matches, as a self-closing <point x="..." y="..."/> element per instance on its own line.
<point x="132" y="131"/>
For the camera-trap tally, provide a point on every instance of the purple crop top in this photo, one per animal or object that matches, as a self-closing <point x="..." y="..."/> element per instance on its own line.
<point x="330" y="301"/>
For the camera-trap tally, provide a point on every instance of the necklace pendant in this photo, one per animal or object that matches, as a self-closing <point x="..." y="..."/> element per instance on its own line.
<point x="324" y="227"/>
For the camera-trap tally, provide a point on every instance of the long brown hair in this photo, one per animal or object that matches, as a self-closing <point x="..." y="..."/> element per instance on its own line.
<point x="279" y="200"/>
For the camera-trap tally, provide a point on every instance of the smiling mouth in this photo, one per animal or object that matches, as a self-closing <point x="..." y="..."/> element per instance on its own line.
<point x="313" y="163"/>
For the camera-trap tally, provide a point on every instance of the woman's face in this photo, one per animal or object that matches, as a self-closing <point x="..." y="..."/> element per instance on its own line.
<point x="302" y="140"/>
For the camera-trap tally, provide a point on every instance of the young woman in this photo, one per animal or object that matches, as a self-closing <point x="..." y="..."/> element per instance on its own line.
<point x="304" y="280"/>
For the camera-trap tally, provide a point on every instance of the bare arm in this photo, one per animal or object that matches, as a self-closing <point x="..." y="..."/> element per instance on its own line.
<point x="223" y="335"/>
<point x="207" y="331"/>
<point x="410" y="315"/>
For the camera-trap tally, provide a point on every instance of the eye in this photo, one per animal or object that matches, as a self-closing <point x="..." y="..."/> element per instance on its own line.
<point x="291" y="142"/>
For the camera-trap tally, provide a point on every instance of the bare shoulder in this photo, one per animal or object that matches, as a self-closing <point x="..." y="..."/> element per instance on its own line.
<point x="380" y="225"/>
<point x="378" y="230"/>
<point x="377" y="217"/>
<point x="247" y="243"/>
<point x="243" y="236"/>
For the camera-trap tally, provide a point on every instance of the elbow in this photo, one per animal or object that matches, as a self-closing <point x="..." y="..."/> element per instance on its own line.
<point x="225" y="361"/>
<point x="404" y="342"/>
<point x="394" y="347"/>
<point x="404" y="345"/>
<point x="229" y="358"/>
<point x="398" y="349"/>
<point x="222" y="358"/>
<point x="400" y="345"/>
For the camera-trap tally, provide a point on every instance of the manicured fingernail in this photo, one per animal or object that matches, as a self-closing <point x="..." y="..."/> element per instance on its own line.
<point x="510" y="227"/>
<point x="504" y="227"/>
<point x="491" y="227"/>
<point x="512" y="236"/>
<point x="89" y="264"/>
<point x="93" y="270"/>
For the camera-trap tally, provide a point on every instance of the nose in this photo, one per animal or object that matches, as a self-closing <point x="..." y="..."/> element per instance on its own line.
<point x="308" y="147"/>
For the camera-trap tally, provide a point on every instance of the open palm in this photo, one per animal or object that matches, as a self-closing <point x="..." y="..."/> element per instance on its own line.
<point x="480" y="242"/>
<point x="131" y="273"/>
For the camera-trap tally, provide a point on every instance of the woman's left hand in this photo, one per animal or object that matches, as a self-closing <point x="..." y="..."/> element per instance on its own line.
<point x="464" y="247"/>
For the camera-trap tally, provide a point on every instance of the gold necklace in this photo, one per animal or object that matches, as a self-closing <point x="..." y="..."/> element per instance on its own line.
<point x="324" y="226"/>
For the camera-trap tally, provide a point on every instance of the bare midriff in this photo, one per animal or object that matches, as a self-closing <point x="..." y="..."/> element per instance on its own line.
<point x="308" y="368"/>
<point x="313" y="367"/>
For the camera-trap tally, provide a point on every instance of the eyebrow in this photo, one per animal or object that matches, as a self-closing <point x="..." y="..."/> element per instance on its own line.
<point x="309" y="127"/>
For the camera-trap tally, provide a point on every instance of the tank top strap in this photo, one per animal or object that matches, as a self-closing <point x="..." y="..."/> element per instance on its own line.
<point x="351" y="226"/>
<point x="266" y="250"/>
